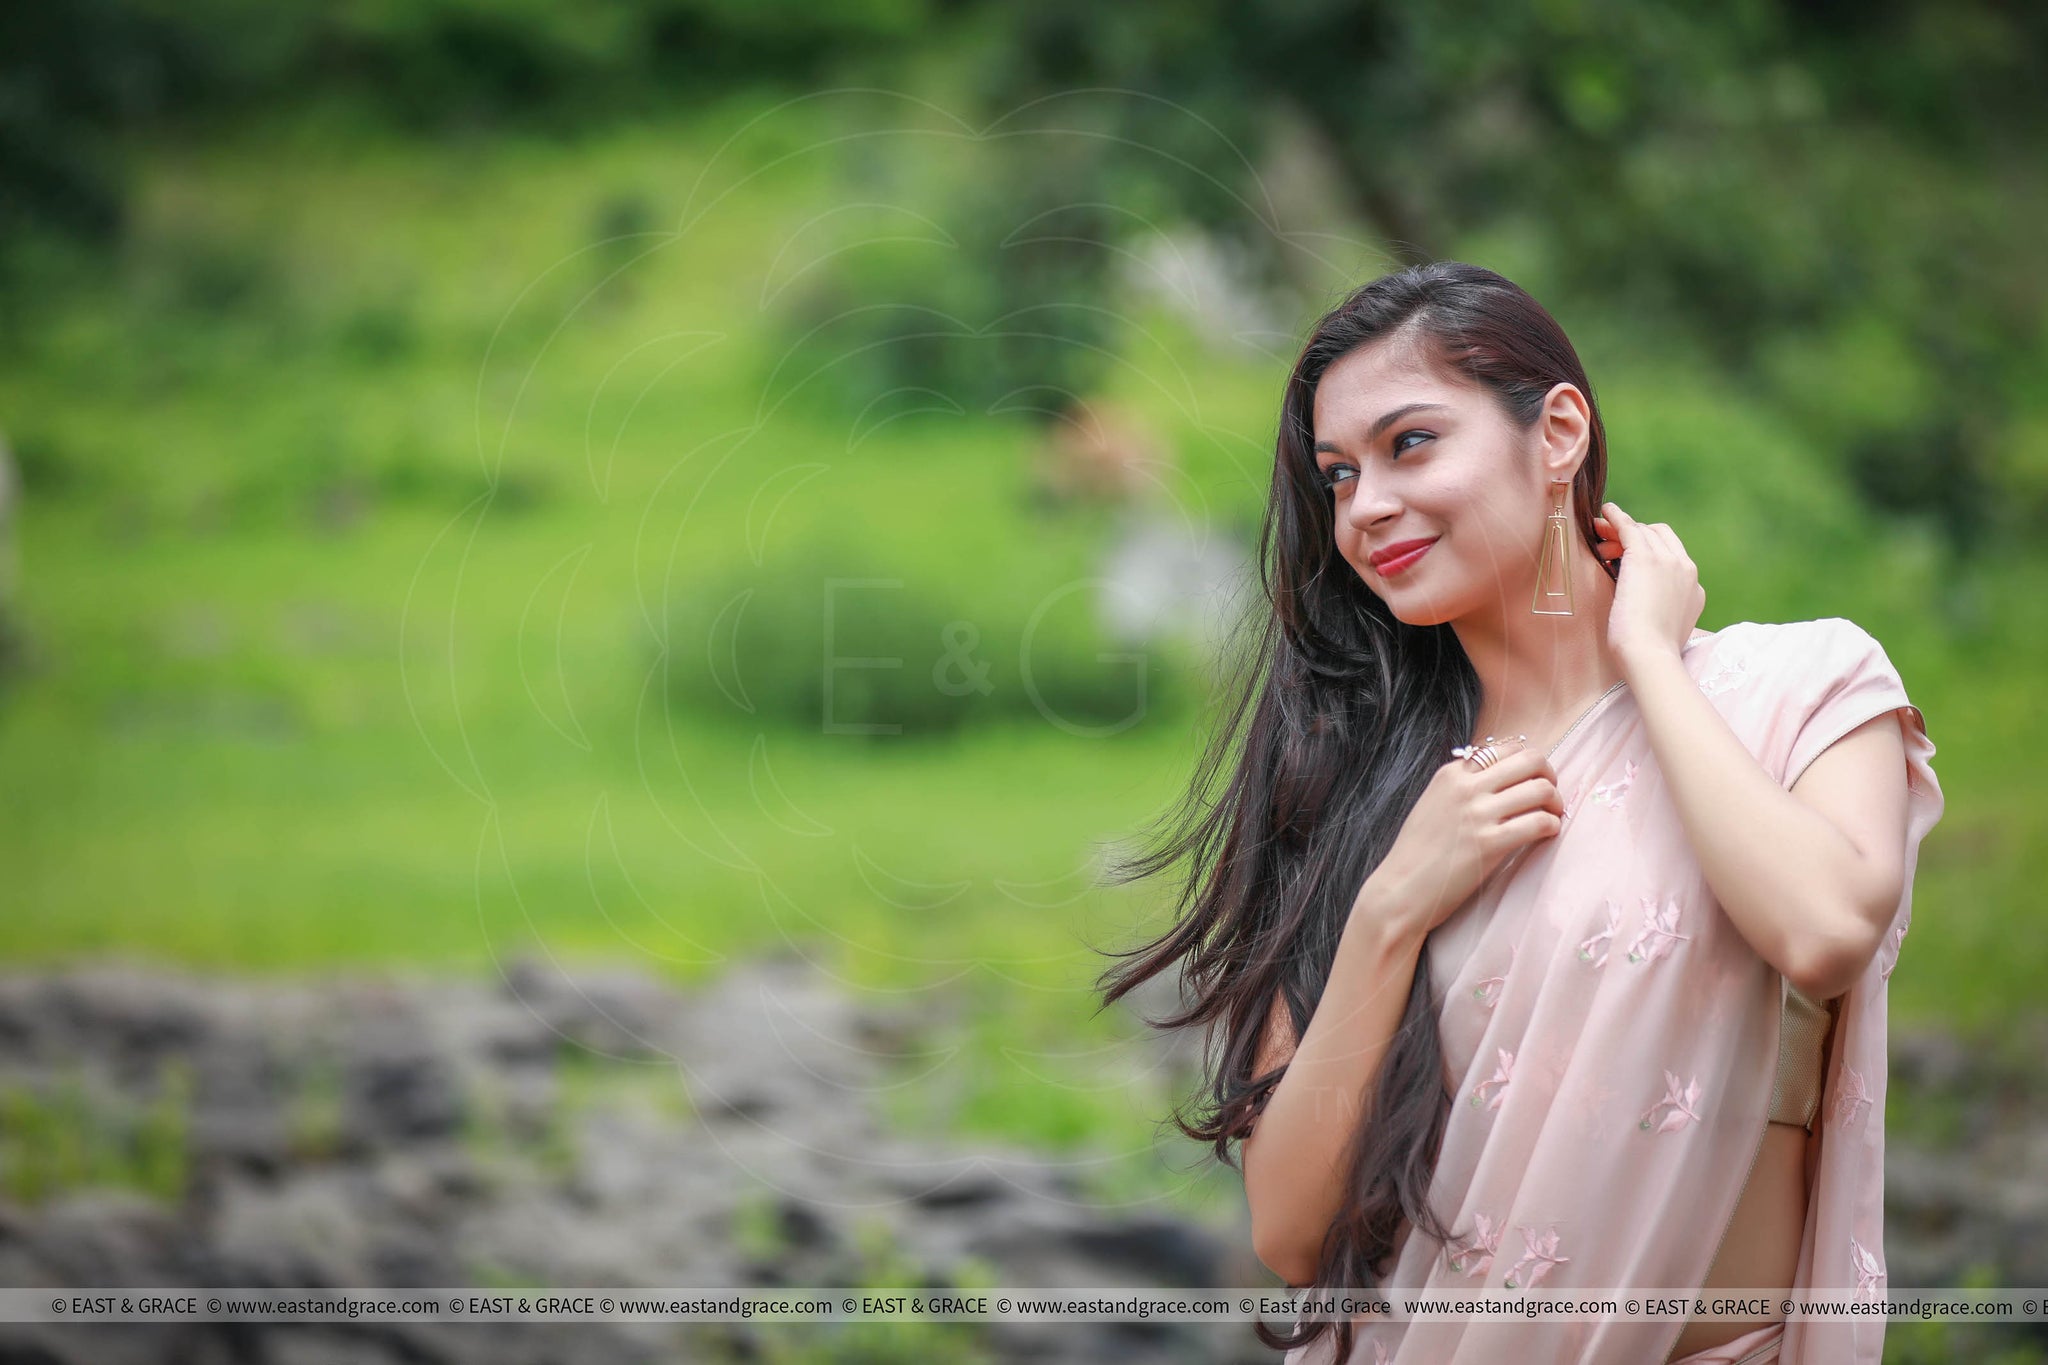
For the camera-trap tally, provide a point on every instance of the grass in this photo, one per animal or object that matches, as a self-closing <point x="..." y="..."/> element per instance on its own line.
<point x="1939" y="1341"/>
<point x="70" y="1134"/>
<point x="886" y="1269"/>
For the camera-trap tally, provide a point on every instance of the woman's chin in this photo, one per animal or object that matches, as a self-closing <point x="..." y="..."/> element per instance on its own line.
<point x="1412" y="602"/>
<point x="1417" y="609"/>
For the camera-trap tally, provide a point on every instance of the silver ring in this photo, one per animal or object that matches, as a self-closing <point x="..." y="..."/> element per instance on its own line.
<point x="1484" y="755"/>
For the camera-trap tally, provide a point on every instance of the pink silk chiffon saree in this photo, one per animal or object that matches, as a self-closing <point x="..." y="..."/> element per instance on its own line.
<point x="1613" y="1038"/>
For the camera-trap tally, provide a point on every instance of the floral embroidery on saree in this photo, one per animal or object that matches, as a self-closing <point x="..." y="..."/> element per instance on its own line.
<point x="1537" y="1261"/>
<point x="1660" y="931"/>
<point x="1489" y="988"/>
<point x="1869" y="1270"/>
<point x="1611" y="793"/>
<point x="1898" y="941"/>
<point x="1726" y="677"/>
<point x="1852" y="1099"/>
<point x="1594" y="949"/>
<point x="1684" y="1102"/>
<point x="1503" y="1072"/>
<point x="1474" y="1255"/>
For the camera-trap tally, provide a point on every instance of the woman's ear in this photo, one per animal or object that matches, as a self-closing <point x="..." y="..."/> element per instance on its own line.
<point x="1567" y="426"/>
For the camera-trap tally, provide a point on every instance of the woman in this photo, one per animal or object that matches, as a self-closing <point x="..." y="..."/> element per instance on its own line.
<point x="1509" y="1012"/>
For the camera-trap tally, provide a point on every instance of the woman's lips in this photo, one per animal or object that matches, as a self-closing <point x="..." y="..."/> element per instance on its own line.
<point x="1394" y="566"/>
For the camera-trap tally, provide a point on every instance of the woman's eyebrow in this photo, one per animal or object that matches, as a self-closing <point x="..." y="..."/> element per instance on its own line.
<point x="1330" y="448"/>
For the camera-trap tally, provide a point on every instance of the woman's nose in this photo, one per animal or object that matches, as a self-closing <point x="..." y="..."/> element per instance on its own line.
<point x="1365" y="507"/>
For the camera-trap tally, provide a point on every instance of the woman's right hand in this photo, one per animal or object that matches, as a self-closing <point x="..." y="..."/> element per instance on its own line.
<point x="1466" y="823"/>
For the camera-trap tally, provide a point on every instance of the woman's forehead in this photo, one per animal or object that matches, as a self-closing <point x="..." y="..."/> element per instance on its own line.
<point x="1389" y="372"/>
<point x="1351" y="404"/>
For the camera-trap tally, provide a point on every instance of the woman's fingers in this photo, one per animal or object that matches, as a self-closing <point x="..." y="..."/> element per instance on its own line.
<point x="1631" y="529"/>
<point x="1633" y="534"/>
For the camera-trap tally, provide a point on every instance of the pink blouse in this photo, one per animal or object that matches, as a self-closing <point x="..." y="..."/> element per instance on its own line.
<point x="1612" y="1038"/>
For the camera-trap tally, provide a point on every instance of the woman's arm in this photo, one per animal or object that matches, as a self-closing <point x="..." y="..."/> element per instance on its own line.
<point x="1295" y="1159"/>
<point x="1811" y="876"/>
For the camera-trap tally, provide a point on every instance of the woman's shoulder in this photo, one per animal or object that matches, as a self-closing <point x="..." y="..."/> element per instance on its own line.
<point x="1790" y="688"/>
<point x="1772" y="662"/>
<point x="1819" y="626"/>
<point x="1811" y="642"/>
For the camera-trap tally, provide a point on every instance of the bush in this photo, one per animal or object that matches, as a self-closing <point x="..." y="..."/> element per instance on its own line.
<point x="840" y="642"/>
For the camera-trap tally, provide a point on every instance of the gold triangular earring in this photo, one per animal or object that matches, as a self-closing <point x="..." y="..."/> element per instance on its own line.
<point x="1554" y="569"/>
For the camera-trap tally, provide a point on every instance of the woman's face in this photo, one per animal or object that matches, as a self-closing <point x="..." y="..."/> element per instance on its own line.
<point x="1414" y="454"/>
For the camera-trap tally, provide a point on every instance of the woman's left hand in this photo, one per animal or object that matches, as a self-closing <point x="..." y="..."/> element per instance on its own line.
<point x="1657" y="597"/>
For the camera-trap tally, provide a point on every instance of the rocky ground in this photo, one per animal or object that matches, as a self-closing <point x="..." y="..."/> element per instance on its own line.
<point x="605" y="1129"/>
<point x="594" y="1129"/>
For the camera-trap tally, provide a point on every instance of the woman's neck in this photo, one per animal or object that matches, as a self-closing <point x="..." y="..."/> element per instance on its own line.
<point x="1537" y="674"/>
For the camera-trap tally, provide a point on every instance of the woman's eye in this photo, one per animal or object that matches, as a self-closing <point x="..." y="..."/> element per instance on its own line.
<point x="1331" y="473"/>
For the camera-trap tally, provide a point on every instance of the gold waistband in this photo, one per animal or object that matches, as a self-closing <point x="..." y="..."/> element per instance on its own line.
<point x="1802" y="1057"/>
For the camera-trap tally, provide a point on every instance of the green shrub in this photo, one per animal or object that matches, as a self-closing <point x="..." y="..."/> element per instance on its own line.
<point x="840" y="642"/>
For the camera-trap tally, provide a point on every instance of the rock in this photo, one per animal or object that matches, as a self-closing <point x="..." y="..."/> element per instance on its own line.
<point x="614" y="1014"/>
<point x="556" y="1127"/>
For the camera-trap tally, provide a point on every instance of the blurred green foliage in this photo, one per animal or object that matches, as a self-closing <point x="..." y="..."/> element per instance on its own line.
<point x="1940" y="1341"/>
<point x="71" y="1135"/>
<point x="1799" y="189"/>
<point x="76" y="73"/>
<point x="393" y="435"/>
<point x="832" y="638"/>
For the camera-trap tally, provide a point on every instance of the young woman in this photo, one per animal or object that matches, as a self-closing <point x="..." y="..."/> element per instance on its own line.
<point x="1546" y="935"/>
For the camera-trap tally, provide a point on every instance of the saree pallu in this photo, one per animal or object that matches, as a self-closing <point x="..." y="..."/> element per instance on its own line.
<point x="1611" y="1039"/>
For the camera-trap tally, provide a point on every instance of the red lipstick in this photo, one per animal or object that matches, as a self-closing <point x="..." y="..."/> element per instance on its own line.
<point x="1398" y="556"/>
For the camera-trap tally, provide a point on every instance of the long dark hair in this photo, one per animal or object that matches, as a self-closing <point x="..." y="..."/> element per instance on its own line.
<point x="1351" y="712"/>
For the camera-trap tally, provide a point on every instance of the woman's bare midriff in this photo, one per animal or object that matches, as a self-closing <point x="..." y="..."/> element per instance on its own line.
<point x="1762" y="1246"/>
